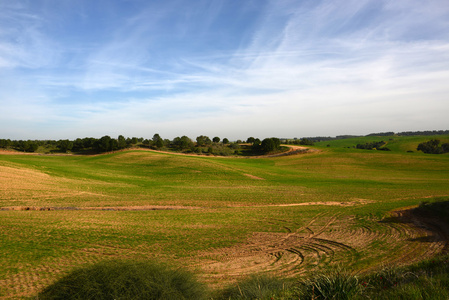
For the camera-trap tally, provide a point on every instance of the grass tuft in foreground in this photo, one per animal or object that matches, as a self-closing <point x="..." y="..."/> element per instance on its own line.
<point x="125" y="280"/>
<point x="425" y="280"/>
<point x="142" y="280"/>
<point x="336" y="284"/>
<point x="258" y="287"/>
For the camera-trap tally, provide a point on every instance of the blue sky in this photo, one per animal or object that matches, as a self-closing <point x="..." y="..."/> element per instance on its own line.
<point x="222" y="68"/>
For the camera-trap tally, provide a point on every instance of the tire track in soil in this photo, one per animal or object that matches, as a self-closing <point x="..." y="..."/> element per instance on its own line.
<point x="283" y="253"/>
<point x="328" y="239"/>
<point x="324" y="240"/>
<point x="422" y="237"/>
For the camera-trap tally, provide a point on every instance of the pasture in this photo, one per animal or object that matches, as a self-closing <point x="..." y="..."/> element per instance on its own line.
<point x="222" y="218"/>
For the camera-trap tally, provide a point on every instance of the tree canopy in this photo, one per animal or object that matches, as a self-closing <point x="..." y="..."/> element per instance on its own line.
<point x="433" y="147"/>
<point x="203" y="140"/>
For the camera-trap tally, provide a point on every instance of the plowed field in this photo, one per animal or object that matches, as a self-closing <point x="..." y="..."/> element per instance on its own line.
<point x="221" y="218"/>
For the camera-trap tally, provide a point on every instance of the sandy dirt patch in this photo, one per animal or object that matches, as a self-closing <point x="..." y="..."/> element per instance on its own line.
<point x="325" y="240"/>
<point x="106" y="208"/>
<point x="254" y="177"/>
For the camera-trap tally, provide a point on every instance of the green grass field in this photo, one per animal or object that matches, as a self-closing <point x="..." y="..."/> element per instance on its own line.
<point x="394" y="143"/>
<point x="222" y="218"/>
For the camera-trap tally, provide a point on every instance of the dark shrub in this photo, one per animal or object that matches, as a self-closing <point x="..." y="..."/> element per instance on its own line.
<point x="125" y="280"/>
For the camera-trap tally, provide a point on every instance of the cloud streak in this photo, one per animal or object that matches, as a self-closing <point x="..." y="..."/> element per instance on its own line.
<point x="283" y="68"/>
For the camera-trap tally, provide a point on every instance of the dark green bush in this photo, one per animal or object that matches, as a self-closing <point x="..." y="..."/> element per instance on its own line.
<point x="433" y="147"/>
<point x="125" y="280"/>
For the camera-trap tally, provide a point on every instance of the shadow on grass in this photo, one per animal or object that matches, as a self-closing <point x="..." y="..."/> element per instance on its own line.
<point x="126" y="280"/>
<point x="430" y="215"/>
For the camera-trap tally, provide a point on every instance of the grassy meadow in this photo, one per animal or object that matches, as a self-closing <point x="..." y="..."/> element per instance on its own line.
<point x="223" y="218"/>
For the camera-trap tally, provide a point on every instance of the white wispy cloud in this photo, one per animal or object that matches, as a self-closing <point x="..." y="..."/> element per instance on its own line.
<point x="22" y="43"/>
<point x="310" y="67"/>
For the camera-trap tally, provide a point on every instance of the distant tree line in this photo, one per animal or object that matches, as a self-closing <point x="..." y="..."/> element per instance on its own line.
<point x="203" y="144"/>
<point x="295" y="141"/>
<point x="87" y="145"/>
<point x="411" y="133"/>
<point x="317" y="139"/>
<point x="433" y="147"/>
<point x="388" y="133"/>
<point x="373" y="145"/>
<point x="21" y="145"/>
<point x="104" y="144"/>
<point x="427" y="132"/>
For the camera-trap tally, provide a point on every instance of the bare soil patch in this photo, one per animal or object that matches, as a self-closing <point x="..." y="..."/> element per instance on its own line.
<point x="254" y="177"/>
<point x="291" y="151"/>
<point x="287" y="253"/>
<point x="19" y="184"/>
<point x="107" y="208"/>
<point x="325" y="240"/>
<point x="324" y="203"/>
<point x="290" y="250"/>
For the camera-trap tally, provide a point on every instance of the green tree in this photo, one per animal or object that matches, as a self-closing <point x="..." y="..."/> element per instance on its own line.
<point x="256" y="147"/>
<point x="433" y="147"/>
<point x="113" y="145"/>
<point x="65" y="145"/>
<point x="31" y="146"/>
<point x="156" y="137"/>
<point x="89" y="142"/>
<point x="182" y="142"/>
<point x="216" y="139"/>
<point x="225" y="141"/>
<point x="159" y="143"/>
<point x="277" y="143"/>
<point x="234" y="146"/>
<point x="203" y="140"/>
<point x="5" y="143"/>
<point x="445" y="147"/>
<point x="121" y="142"/>
<point x="268" y="145"/>
<point x="78" y="144"/>
<point x="26" y="146"/>
<point x="305" y="141"/>
<point x="104" y="144"/>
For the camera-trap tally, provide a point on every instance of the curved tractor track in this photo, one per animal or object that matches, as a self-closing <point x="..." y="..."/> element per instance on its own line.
<point x="294" y="248"/>
<point x="329" y="239"/>
<point x="285" y="253"/>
